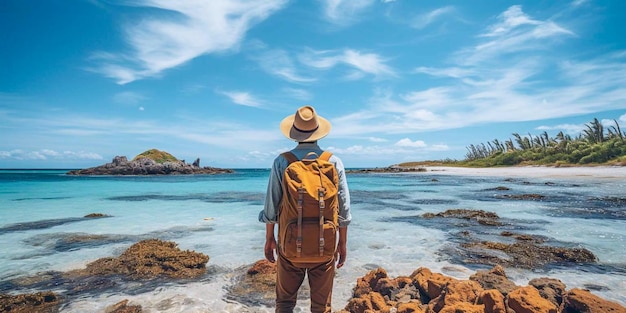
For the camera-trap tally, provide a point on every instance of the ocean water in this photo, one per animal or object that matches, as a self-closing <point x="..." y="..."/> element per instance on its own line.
<point x="217" y="215"/>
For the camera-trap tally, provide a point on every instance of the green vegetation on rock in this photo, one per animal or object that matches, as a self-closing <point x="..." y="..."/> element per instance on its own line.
<point x="157" y="156"/>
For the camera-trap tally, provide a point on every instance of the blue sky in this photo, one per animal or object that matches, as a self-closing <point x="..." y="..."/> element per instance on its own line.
<point x="82" y="81"/>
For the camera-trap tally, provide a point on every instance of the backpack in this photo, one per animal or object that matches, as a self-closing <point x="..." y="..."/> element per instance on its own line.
<point x="309" y="208"/>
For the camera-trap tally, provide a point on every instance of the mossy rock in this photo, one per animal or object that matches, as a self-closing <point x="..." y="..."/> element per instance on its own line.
<point x="157" y="156"/>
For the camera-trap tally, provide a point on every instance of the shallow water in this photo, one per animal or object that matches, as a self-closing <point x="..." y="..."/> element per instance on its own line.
<point x="41" y="211"/>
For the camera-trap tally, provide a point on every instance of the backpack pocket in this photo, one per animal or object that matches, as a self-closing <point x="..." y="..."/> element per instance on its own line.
<point x="310" y="249"/>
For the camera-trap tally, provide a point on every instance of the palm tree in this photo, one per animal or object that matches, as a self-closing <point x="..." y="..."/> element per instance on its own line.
<point x="616" y="131"/>
<point x="594" y="132"/>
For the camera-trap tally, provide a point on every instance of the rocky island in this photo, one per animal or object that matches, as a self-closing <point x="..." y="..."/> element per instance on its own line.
<point x="151" y="162"/>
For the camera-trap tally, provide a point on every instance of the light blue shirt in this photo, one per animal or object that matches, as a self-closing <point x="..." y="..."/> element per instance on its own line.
<point x="269" y="214"/>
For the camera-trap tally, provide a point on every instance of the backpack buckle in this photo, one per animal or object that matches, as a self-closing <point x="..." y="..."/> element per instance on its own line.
<point x="299" y="245"/>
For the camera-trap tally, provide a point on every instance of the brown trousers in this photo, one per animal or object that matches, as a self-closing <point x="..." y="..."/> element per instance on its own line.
<point x="289" y="278"/>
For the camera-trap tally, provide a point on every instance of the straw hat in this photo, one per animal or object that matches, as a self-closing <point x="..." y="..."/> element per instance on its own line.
<point x="305" y="125"/>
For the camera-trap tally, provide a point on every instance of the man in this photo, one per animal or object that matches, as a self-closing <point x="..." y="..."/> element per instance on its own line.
<point x="306" y="128"/>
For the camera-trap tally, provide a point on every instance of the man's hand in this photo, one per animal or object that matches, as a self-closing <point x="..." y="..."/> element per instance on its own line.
<point x="342" y="250"/>
<point x="270" y="243"/>
<point x="270" y="248"/>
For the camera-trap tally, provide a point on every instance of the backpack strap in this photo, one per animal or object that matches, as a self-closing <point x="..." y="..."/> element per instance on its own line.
<point x="290" y="157"/>
<point x="326" y="156"/>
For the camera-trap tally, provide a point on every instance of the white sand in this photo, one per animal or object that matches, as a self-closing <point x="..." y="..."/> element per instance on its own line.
<point x="595" y="172"/>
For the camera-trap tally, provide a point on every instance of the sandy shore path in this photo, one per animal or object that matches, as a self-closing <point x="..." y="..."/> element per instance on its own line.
<point x="596" y="172"/>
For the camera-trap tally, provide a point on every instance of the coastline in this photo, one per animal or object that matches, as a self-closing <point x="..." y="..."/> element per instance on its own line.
<point x="595" y="172"/>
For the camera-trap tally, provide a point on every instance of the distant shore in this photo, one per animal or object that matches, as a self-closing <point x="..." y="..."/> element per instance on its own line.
<point x="595" y="172"/>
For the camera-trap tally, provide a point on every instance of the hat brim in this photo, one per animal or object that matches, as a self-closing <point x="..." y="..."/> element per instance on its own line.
<point x="286" y="127"/>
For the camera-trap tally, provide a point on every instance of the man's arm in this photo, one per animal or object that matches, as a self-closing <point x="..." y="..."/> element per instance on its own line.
<point x="270" y="242"/>
<point x="342" y="250"/>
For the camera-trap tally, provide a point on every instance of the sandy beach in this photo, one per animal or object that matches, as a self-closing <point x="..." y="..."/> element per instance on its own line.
<point x="595" y="172"/>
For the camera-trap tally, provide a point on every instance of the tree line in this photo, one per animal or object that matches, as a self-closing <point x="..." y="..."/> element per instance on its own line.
<point x="595" y="144"/>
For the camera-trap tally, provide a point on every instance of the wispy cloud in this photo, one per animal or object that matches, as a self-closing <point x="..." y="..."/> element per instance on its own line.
<point x="242" y="98"/>
<point x="298" y="94"/>
<point x="402" y="148"/>
<point x="128" y="97"/>
<point x="198" y="27"/>
<point x="344" y="11"/>
<point x="365" y="63"/>
<point x="423" y="20"/>
<point x="502" y="77"/>
<point x="279" y="63"/>
<point x="571" y="129"/>
<point x="47" y="154"/>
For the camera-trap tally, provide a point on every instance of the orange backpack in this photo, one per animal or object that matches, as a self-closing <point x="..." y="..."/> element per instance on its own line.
<point x="308" y="215"/>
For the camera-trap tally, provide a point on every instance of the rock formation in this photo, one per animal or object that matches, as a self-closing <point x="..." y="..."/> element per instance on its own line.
<point x="151" y="162"/>
<point x="28" y="303"/>
<point x="485" y="292"/>
<point x="148" y="259"/>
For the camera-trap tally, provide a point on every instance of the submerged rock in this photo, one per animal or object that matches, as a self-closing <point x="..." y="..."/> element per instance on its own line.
<point x="582" y="301"/>
<point x="526" y="254"/>
<point x="123" y="307"/>
<point x="482" y="217"/>
<point x="149" y="259"/>
<point x="255" y="285"/>
<point x="43" y="302"/>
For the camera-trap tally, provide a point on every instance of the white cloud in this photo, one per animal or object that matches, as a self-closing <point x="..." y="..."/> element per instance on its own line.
<point x="46" y="154"/>
<point x="242" y="98"/>
<point x="279" y="63"/>
<point x="298" y="94"/>
<point x="423" y="20"/>
<point x="571" y="129"/>
<point x="406" y="142"/>
<point x="344" y="11"/>
<point x="128" y="97"/>
<point x="494" y="80"/>
<point x="368" y="63"/>
<point x="577" y="3"/>
<point x="376" y="139"/>
<point x="515" y="32"/>
<point x="198" y="27"/>
<point x="622" y="118"/>
<point x="510" y="19"/>
<point x="402" y="148"/>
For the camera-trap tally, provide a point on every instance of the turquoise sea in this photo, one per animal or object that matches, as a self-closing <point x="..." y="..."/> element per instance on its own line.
<point x="217" y="215"/>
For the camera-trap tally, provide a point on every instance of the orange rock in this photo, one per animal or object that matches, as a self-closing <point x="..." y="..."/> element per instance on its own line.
<point x="583" y="301"/>
<point x="359" y="305"/>
<point x="494" y="279"/>
<point x="456" y="292"/>
<point x="550" y="289"/>
<point x="409" y="307"/>
<point x="367" y="283"/>
<point x="385" y="286"/>
<point x="378" y="302"/>
<point x="528" y="300"/>
<point x="464" y="308"/>
<point x="262" y="267"/>
<point x="430" y="283"/>
<point x="402" y="281"/>
<point x="493" y="301"/>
